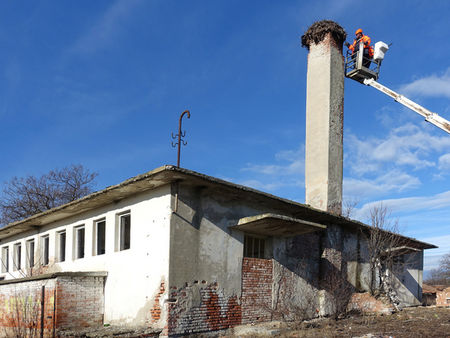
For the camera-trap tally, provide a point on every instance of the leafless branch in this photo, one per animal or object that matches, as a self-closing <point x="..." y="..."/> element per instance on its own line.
<point x="26" y="196"/>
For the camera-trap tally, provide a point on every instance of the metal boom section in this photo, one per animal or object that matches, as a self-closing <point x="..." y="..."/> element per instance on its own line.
<point x="429" y="116"/>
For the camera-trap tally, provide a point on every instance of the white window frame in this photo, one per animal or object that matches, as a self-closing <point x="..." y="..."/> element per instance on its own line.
<point x="121" y="235"/>
<point x="5" y="259"/>
<point x="30" y="255"/>
<point x="95" y="237"/>
<point x="61" y="255"/>
<point x="45" y="250"/>
<point x="77" y="253"/>
<point x="17" y="256"/>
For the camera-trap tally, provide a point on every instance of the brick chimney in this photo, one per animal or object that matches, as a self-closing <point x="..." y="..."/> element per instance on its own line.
<point x="324" y="116"/>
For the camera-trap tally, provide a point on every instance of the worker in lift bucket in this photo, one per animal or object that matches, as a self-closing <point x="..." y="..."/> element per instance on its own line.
<point x="368" y="49"/>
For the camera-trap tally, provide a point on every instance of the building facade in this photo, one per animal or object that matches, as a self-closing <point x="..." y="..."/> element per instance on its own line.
<point x="182" y="252"/>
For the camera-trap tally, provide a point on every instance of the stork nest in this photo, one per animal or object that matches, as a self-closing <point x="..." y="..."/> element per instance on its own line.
<point x="319" y="29"/>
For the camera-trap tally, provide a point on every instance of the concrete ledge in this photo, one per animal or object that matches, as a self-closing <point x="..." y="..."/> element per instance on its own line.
<point x="276" y="225"/>
<point x="55" y="275"/>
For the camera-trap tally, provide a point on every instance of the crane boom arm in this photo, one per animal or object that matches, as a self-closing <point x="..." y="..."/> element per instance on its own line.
<point x="429" y="116"/>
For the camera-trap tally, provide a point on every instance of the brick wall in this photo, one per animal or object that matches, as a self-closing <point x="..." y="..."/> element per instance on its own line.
<point x="20" y="308"/>
<point x="256" y="300"/>
<point x="200" y="307"/>
<point x="79" y="301"/>
<point x="71" y="300"/>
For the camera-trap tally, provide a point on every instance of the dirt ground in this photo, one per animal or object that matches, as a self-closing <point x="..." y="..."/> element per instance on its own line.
<point x="411" y="322"/>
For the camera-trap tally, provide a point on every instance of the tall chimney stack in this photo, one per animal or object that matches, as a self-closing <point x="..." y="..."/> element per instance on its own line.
<point x="324" y="116"/>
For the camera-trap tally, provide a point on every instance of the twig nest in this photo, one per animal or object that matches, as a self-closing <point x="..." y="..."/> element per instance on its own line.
<point x="319" y="30"/>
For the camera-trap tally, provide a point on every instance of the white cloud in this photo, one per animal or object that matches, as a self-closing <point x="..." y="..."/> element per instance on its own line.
<point x="286" y="171"/>
<point x="405" y="146"/>
<point x="433" y="85"/>
<point x="391" y="181"/>
<point x="294" y="164"/>
<point x="410" y="204"/>
<point x="444" y="162"/>
<point x="106" y="29"/>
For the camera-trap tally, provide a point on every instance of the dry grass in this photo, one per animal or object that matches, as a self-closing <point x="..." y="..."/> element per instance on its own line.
<point x="411" y="322"/>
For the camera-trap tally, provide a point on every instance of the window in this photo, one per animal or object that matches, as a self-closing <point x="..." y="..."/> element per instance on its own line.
<point x="99" y="237"/>
<point x="5" y="259"/>
<point x="254" y="247"/>
<point x="61" y="246"/>
<point x="17" y="256"/>
<point x="79" y="242"/>
<point x="124" y="231"/>
<point x="45" y="245"/>
<point x="30" y="253"/>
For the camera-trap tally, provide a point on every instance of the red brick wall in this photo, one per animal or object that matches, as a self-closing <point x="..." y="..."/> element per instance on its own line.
<point x="256" y="300"/>
<point x="79" y="302"/>
<point x="20" y="305"/>
<point x="201" y="307"/>
<point x="70" y="302"/>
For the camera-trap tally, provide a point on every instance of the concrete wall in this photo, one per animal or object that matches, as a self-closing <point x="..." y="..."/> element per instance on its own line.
<point x="135" y="276"/>
<point x="407" y="278"/>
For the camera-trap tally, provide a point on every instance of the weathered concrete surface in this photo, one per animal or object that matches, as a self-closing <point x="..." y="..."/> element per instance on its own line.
<point x="407" y="278"/>
<point x="324" y="122"/>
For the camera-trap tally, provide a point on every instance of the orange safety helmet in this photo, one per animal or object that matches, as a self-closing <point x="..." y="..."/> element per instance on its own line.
<point x="359" y="30"/>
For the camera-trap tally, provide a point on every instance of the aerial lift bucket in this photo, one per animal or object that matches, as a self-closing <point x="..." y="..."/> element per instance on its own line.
<point x="358" y="67"/>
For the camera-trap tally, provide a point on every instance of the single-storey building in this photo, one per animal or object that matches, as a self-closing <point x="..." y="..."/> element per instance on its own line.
<point x="183" y="252"/>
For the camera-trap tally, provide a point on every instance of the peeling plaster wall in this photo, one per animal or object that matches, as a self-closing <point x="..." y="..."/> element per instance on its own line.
<point x="206" y="254"/>
<point x="135" y="276"/>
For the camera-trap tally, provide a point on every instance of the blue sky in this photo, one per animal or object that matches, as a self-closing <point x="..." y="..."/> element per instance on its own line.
<point x="102" y="83"/>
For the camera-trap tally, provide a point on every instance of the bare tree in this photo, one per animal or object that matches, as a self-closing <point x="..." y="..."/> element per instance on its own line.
<point x="26" y="196"/>
<point x="349" y="206"/>
<point x="383" y="240"/>
<point x="441" y="275"/>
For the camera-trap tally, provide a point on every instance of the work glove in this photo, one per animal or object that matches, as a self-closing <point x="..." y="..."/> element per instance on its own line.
<point x="347" y="44"/>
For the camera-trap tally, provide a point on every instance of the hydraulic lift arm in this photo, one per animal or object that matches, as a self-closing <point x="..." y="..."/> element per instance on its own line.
<point x="428" y="115"/>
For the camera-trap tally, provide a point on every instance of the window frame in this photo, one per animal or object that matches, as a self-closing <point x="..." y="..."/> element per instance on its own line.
<point x="96" y="237"/>
<point x="249" y="246"/>
<point x="17" y="256"/>
<point x="45" y="250"/>
<point x="61" y="249"/>
<point x="30" y="256"/>
<point x="76" y="242"/>
<point x="123" y="236"/>
<point x="5" y="256"/>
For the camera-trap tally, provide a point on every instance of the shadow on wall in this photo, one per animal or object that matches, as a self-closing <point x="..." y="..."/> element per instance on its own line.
<point x="406" y="284"/>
